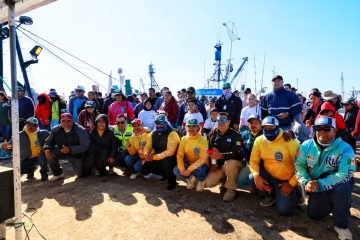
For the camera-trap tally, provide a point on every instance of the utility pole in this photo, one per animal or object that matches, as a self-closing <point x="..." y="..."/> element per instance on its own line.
<point x="342" y="85"/>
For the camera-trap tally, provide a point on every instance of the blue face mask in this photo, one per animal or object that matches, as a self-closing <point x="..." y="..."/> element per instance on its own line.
<point x="271" y="134"/>
<point x="162" y="128"/>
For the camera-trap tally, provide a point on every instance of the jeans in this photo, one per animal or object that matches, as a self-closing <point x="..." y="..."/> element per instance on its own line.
<point x="285" y="205"/>
<point x="54" y="123"/>
<point x="120" y="159"/>
<point x="244" y="178"/>
<point x="100" y="157"/>
<point x="28" y="165"/>
<point x="336" y="201"/>
<point x="199" y="173"/>
<point x="6" y="131"/>
<point x="134" y="163"/>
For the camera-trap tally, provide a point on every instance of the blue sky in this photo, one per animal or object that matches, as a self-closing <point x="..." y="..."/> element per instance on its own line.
<point x="312" y="41"/>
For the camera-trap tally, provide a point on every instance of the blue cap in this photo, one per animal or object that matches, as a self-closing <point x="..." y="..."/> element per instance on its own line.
<point x="90" y="104"/>
<point x="118" y="92"/>
<point x="32" y="120"/>
<point x="270" y="121"/>
<point x="325" y="121"/>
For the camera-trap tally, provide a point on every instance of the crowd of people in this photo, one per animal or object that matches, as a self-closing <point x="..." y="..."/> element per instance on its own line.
<point x="281" y="147"/>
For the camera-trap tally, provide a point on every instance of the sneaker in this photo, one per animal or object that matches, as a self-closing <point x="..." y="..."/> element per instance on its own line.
<point x="97" y="173"/>
<point x="148" y="176"/>
<point x="200" y="186"/>
<point x="44" y="177"/>
<point x="30" y="176"/>
<point x="54" y="178"/>
<point x="190" y="182"/>
<point x="133" y="176"/>
<point x="343" y="234"/>
<point x="267" y="201"/>
<point x="111" y="171"/>
<point x="171" y="186"/>
<point x="229" y="195"/>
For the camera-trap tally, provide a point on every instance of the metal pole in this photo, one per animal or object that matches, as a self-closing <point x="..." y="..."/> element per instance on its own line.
<point x="23" y="68"/>
<point x="1" y="63"/>
<point x="15" y="123"/>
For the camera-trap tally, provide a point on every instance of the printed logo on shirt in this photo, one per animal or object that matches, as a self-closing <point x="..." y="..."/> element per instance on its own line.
<point x="279" y="156"/>
<point x="196" y="151"/>
<point x="228" y="139"/>
<point x="298" y="153"/>
<point x="143" y="144"/>
<point x="333" y="161"/>
<point x="238" y="143"/>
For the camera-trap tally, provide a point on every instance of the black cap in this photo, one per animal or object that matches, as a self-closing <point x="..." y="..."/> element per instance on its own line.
<point x="190" y="90"/>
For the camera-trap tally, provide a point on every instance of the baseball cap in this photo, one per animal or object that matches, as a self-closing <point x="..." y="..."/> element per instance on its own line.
<point x="118" y="92"/>
<point x="90" y="104"/>
<point x="325" y="121"/>
<point x="270" y="121"/>
<point x="136" y="121"/>
<point x="253" y="116"/>
<point x="160" y="119"/>
<point x="79" y="87"/>
<point x="348" y="101"/>
<point x="192" y="122"/>
<point x="190" y="90"/>
<point x="277" y="77"/>
<point x="52" y="93"/>
<point x="66" y="116"/>
<point x="226" y="85"/>
<point x="32" y="120"/>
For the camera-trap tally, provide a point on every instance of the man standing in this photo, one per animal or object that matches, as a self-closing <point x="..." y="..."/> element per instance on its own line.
<point x="161" y="99"/>
<point x="76" y="102"/>
<point x="68" y="141"/>
<point x="26" y="108"/>
<point x="226" y="153"/>
<point x="191" y="95"/>
<point x="272" y="168"/>
<point x="281" y="104"/>
<point x="140" y="106"/>
<point x="57" y="104"/>
<point x="152" y="96"/>
<point x="324" y="168"/>
<point x="231" y="104"/>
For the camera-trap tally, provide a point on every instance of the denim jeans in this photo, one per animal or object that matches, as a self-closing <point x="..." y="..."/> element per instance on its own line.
<point x="199" y="173"/>
<point x="134" y="163"/>
<point x="28" y="165"/>
<point x="6" y="131"/>
<point x="244" y="178"/>
<point x="285" y="205"/>
<point x="44" y="127"/>
<point x="336" y="201"/>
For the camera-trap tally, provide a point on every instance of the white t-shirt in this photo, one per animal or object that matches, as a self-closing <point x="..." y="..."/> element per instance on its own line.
<point x="209" y="124"/>
<point x="148" y="118"/>
<point x="196" y="115"/>
<point x="247" y="111"/>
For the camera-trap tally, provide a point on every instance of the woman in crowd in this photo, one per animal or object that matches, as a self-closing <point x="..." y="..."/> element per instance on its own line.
<point x="120" y="107"/>
<point x="170" y="107"/>
<point x="43" y="111"/>
<point x="88" y="115"/>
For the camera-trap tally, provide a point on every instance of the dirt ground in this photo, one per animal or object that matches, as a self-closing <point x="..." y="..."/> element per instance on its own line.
<point x="115" y="207"/>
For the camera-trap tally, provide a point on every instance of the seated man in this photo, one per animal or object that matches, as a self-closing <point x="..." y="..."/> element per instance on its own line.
<point x="32" y="139"/>
<point x="275" y="177"/>
<point x="102" y="146"/>
<point x="123" y="131"/>
<point x="324" y="168"/>
<point x="160" y="151"/>
<point x="226" y="153"/>
<point x="68" y="141"/>
<point x="135" y="147"/>
<point x="192" y="156"/>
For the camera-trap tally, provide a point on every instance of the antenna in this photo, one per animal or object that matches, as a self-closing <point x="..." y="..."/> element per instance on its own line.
<point x="262" y="76"/>
<point x="255" y="72"/>
<point x="342" y="85"/>
<point x="233" y="35"/>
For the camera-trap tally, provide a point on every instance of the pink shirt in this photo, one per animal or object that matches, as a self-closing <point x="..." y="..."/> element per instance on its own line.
<point x="123" y="108"/>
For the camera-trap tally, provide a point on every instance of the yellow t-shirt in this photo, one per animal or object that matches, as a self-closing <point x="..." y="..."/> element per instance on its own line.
<point x="278" y="157"/>
<point x="137" y="144"/>
<point x="34" y="143"/>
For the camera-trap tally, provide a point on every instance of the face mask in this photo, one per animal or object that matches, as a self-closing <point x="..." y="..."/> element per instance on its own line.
<point x="227" y="93"/>
<point x="271" y="135"/>
<point x="162" y="128"/>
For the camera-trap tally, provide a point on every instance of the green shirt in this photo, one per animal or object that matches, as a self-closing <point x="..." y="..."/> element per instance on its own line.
<point x="55" y="113"/>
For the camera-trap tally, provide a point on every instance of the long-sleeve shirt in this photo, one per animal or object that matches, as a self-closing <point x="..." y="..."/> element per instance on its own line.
<point x="171" y="146"/>
<point x="122" y="108"/>
<point x="278" y="157"/>
<point x="137" y="144"/>
<point x="26" y="107"/>
<point x="192" y="149"/>
<point x="330" y="166"/>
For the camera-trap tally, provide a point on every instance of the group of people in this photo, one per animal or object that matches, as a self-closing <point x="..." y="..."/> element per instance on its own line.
<point x="278" y="147"/>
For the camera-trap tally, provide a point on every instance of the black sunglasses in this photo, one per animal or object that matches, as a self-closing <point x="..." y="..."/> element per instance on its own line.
<point x="122" y="122"/>
<point x="322" y="128"/>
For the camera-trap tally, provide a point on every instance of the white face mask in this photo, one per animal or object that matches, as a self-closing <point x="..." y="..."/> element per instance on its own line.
<point x="227" y="93"/>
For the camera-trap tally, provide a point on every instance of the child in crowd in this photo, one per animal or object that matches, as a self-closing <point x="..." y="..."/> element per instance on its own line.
<point x="211" y="122"/>
<point x="147" y="115"/>
<point x="193" y="112"/>
<point x="251" y="109"/>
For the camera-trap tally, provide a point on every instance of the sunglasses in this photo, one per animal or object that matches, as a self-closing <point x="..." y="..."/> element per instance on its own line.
<point x="222" y="120"/>
<point x="66" y="120"/>
<point x="326" y="111"/>
<point x="190" y="92"/>
<point x="159" y="122"/>
<point x="324" y="129"/>
<point x="30" y="125"/>
<point x="122" y="122"/>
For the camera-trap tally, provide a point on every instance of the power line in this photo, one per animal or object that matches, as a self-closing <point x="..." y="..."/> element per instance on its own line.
<point x="68" y="53"/>
<point x="64" y="61"/>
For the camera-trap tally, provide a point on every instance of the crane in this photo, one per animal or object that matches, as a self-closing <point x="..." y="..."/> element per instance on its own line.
<point x="245" y="59"/>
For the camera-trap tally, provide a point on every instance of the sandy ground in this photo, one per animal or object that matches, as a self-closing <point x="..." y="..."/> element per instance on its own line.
<point x="115" y="207"/>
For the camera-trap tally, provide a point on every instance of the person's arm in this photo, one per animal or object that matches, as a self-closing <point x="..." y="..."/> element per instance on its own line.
<point x="130" y="146"/>
<point x="31" y="107"/>
<point x="48" y="145"/>
<point x="130" y="110"/>
<point x="172" y="144"/>
<point x="238" y="111"/>
<point x="111" y="116"/>
<point x="237" y="148"/>
<point x="255" y="157"/>
<point x="181" y="115"/>
<point x="180" y="155"/>
<point x="84" y="142"/>
<point x="148" y="146"/>
<point x="293" y="149"/>
<point x="357" y="125"/>
<point x="295" y="107"/>
<point x="264" y="108"/>
<point x="202" y="110"/>
<point x="345" y="171"/>
<point x="301" y="168"/>
<point x="71" y="105"/>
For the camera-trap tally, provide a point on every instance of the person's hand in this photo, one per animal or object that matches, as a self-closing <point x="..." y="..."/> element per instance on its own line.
<point x="49" y="155"/>
<point x="148" y="157"/>
<point x="212" y="131"/>
<point x="282" y="115"/>
<point x="6" y="146"/>
<point x="216" y="154"/>
<point x="185" y="172"/>
<point x="111" y="160"/>
<point x="308" y="123"/>
<point x="285" y="188"/>
<point x="312" y="186"/>
<point x="353" y="134"/>
<point x="65" y="149"/>
<point x="261" y="183"/>
<point x="213" y="168"/>
<point x="128" y="144"/>
<point x="288" y="135"/>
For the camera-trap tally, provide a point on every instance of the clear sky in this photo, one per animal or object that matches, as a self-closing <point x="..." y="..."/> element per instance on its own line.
<point x="312" y="41"/>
